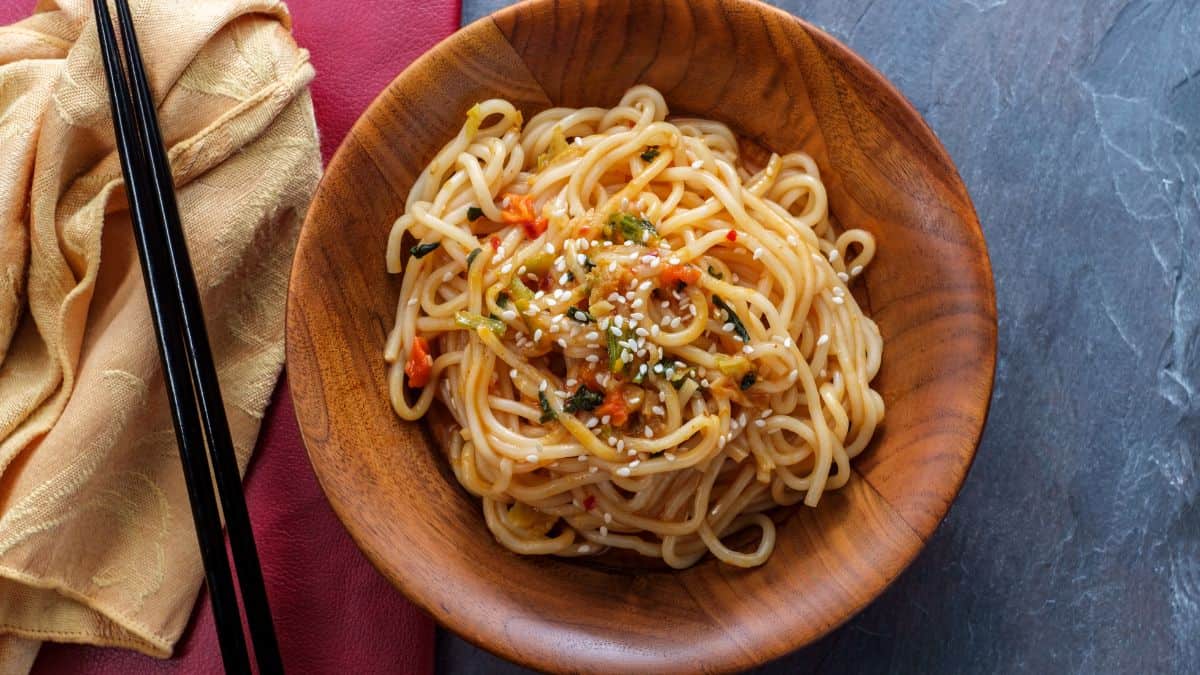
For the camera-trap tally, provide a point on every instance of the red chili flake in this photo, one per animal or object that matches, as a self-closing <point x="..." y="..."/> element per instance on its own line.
<point x="495" y="242"/>
<point x="544" y="283"/>
<point x="590" y="502"/>
<point x="731" y="235"/>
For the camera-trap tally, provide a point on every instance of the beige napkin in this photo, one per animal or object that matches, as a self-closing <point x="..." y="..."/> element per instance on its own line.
<point x="96" y="538"/>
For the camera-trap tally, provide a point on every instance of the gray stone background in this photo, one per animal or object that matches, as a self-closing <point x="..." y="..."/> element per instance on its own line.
<point x="1075" y="544"/>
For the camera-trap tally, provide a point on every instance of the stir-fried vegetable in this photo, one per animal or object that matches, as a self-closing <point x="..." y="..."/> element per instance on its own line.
<point x="472" y="255"/>
<point x="520" y="210"/>
<point x="475" y="322"/>
<point x="628" y="227"/>
<point x="539" y="263"/>
<point x="738" y="326"/>
<point x="584" y="398"/>
<point x="580" y="315"/>
<point x="615" y="364"/>
<point x="548" y="414"/>
<point x="679" y="275"/>
<point x="422" y="250"/>
<point x="419" y="365"/>
<point x="733" y="366"/>
<point x="650" y="153"/>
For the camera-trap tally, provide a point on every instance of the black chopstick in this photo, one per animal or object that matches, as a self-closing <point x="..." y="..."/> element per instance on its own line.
<point x="186" y="356"/>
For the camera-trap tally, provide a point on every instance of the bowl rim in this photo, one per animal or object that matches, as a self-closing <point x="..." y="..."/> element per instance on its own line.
<point x="737" y="659"/>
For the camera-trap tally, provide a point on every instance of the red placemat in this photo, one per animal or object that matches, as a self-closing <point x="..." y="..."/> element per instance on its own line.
<point x="334" y="613"/>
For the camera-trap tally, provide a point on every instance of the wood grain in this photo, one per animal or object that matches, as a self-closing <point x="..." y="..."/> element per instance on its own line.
<point x="785" y="85"/>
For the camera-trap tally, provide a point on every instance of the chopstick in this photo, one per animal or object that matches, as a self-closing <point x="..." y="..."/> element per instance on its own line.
<point x="190" y="373"/>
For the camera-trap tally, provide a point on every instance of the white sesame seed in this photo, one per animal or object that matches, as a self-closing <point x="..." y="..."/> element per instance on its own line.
<point x="670" y="456"/>
<point x="581" y="258"/>
<point x="634" y="463"/>
<point x="543" y="386"/>
<point x="817" y="257"/>
<point x="676" y="322"/>
<point x="642" y="331"/>
<point x="633" y="255"/>
<point x="608" y="517"/>
<point x="760" y="423"/>
<point x="637" y="303"/>
<point x="592" y="335"/>
<point x="658" y="410"/>
<point x="522" y="269"/>
<point x="585" y="549"/>
<point x="593" y="469"/>
<point x="564" y="279"/>
<point x="794" y="374"/>
<point x="592" y="422"/>
<point x="856" y="271"/>
<point x="662" y="397"/>
<point x="512" y="374"/>
<point x="704" y="382"/>
<point x="508" y="315"/>
<point x="788" y="342"/>
<point x="793" y="240"/>
<point x="833" y="255"/>
<point x="505" y="204"/>
<point x="611" y="440"/>
<point x="721" y="442"/>
<point x="838" y="291"/>
<point x="623" y="471"/>
<point x="603" y="531"/>
<point x="728" y="327"/>
<point x="412" y="301"/>
<point x="604" y="420"/>
<point x="673" y="260"/>
<point x="758" y="252"/>
<point x="837" y="300"/>
<point x="648" y="433"/>
<point x="549" y="247"/>
<point x="531" y="458"/>
<point x="612" y="267"/>
<point x="843" y="276"/>
<point x="447" y="276"/>
<point x="698" y="164"/>
<point x="592" y="358"/>
<point x="624" y="203"/>
<point x="747" y="349"/>
<point x="562" y="343"/>
<point x="537" y="335"/>
<point x="655" y="330"/>
<point x="500" y="253"/>
<point x="821" y="341"/>
<point x="506" y="268"/>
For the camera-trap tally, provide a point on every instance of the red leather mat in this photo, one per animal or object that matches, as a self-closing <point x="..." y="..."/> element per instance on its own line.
<point x="334" y="613"/>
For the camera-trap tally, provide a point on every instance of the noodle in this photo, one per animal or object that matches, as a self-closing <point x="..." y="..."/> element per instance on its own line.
<point x="644" y="344"/>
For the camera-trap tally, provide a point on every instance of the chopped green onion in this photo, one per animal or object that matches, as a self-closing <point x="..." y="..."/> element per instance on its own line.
<point x="520" y="293"/>
<point x="748" y="380"/>
<point x="422" y="250"/>
<point x="475" y="322"/>
<point x="615" y="364"/>
<point x="474" y="213"/>
<point x="650" y="153"/>
<point x="472" y="255"/>
<point x="630" y="228"/>
<point x="584" y="398"/>
<point x="548" y="414"/>
<point x="738" y="326"/>
<point x="502" y="299"/>
<point x="713" y="273"/>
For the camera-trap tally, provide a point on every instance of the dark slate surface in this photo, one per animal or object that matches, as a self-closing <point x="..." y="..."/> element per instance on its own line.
<point x="1075" y="544"/>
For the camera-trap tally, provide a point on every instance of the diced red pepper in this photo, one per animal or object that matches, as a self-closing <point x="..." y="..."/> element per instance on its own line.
<point x="590" y="502"/>
<point x="615" y="407"/>
<point x="420" y="364"/>
<point x="731" y="235"/>
<point x="673" y="274"/>
<point x="495" y="242"/>
<point x="520" y="210"/>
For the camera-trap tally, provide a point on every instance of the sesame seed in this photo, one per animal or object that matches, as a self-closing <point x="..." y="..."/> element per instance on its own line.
<point x="833" y="255"/>
<point x="704" y="382"/>
<point x="637" y="316"/>
<point x="500" y="253"/>
<point x="592" y="422"/>
<point x="562" y="343"/>
<point x="522" y="269"/>
<point x="592" y="358"/>
<point x="612" y="440"/>
<point x="634" y="463"/>
<point x="512" y="374"/>
<point x="670" y="456"/>
<point x="758" y="252"/>
<point x="623" y="471"/>
<point x="662" y="397"/>
<point x="837" y="300"/>
<point x="856" y="271"/>
<point x="645" y="285"/>
<point x="603" y="531"/>
<point x="673" y="260"/>
<point x="789" y="343"/>
<point x="564" y="279"/>
<point x="837" y="290"/>
<point x="633" y="255"/>
<point x="621" y="445"/>
<point x="604" y="420"/>
<point x="593" y="469"/>
<point x="506" y="268"/>
<point x="728" y="327"/>
<point x="676" y="322"/>
<point x="612" y="267"/>
<point x="543" y="386"/>
<point x="655" y="330"/>
<point x="698" y="164"/>
<point x="637" y="303"/>
<point x="504" y="204"/>
<point x="760" y="423"/>
<point x="648" y="433"/>
<point x="821" y="341"/>
<point x="447" y="276"/>
<point x="508" y="315"/>
<point x="531" y="458"/>
<point x="537" y="335"/>
<point x="608" y="517"/>
<point x="843" y="276"/>
<point x="642" y="331"/>
<point x="817" y="257"/>
<point x="549" y="247"/>
<point x="581" y="258"/>
<point x="592" y="335"/>
<point x="721" y="443"/>
<point x="793" y="240"/>
<point x="571" y="382"/>
<point x="412" y="301"/>
<point x="624" y="203"/>
<point x="585" y="549"/>
<point x="658" y="410"/>
<point x="747" y="349"/>
<point x="794" y="374"/>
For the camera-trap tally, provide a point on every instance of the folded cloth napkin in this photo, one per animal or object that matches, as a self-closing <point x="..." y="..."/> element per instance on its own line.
<point x="96" y="538"/>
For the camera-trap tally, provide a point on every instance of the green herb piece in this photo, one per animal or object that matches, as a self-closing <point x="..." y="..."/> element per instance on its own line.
<point x="520" y="293"/>
<point x="734" y="366"/>
<point x="422" y="250"/>
<point x="580" y="315"/>
<point x="629" y="227"/>
<point x="650" y="153"/>
<point x="548" y="414"/>
<point x="713" y="273"/>
<point x="472" y="255"/>
<point x="738" y="326"/>
<point x="748" y="380"/>
<point x="502" y="299"/>
<point x="584" y="398"/>
<point x="474" y="213"/>
<point x="539" y="263"/>
<point x="475" y="322"/>
<point x="588" y="264"/>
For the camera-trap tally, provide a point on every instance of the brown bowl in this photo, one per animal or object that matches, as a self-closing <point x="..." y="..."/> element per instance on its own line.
<point x="782" y="83"/>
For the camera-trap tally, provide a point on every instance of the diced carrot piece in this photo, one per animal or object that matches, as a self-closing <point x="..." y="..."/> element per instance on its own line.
<point x="615" y="407"/>
<point x="420" y="364"/>
<point x="673" y="274"/>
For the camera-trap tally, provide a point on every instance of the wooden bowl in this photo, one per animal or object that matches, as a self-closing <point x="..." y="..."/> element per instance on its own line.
<point x="782" y="83"/>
